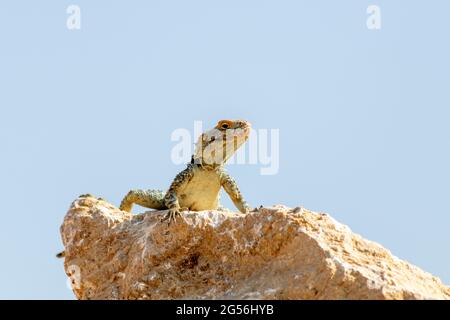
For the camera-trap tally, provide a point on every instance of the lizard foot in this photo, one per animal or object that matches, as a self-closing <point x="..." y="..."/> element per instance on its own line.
<point x="87" y="195"/>
<point x="297" y="210"/>
<point x="172" y="216"/>
<point x="256" y="209"/>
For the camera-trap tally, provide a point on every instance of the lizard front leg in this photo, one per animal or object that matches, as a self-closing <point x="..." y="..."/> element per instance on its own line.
<point x="232" y="190"/>
<point x="153" y="199"/>
<point x="171" y="198"/>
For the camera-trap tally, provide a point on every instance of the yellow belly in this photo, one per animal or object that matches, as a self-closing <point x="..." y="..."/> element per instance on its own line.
<point x="202" y="192"/>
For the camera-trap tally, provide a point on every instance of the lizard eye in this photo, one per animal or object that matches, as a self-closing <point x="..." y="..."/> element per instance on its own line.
<point x="224" y="124"/>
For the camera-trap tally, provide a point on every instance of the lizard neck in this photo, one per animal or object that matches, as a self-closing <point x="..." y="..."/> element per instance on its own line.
<point x="206" y="166"/>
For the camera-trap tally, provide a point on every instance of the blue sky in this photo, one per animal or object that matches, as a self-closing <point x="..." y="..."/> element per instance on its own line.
<point x="362" y="114"/>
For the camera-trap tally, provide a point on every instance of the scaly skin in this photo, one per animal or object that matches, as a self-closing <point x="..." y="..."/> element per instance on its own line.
<point x="197" y="187"/>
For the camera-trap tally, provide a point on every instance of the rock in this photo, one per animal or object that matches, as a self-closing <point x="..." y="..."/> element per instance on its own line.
<point x="273" y="253"/>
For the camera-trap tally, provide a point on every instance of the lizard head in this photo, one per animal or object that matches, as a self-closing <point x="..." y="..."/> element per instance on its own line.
<point x="214" y="147"/>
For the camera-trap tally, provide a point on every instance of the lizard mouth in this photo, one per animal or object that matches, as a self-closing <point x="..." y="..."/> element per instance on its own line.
<point x="217" y="145"/>
<point x="246" y="126"/>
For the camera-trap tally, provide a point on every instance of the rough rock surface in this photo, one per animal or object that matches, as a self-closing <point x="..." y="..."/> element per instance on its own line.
<point x="276" y="253"/>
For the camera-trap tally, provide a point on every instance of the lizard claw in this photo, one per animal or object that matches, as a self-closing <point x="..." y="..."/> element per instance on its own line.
<point x="172" y="216"/>
<point x="256" y="209"/>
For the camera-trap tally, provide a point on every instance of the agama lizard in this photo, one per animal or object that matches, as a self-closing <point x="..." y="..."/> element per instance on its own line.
<point x="198" y="186"/>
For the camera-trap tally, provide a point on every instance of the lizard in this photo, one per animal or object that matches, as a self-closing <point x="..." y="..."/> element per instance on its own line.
<point x="198" y="186"/>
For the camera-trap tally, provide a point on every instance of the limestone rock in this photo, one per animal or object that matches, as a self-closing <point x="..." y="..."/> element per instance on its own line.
<point x="275" y="253"/>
